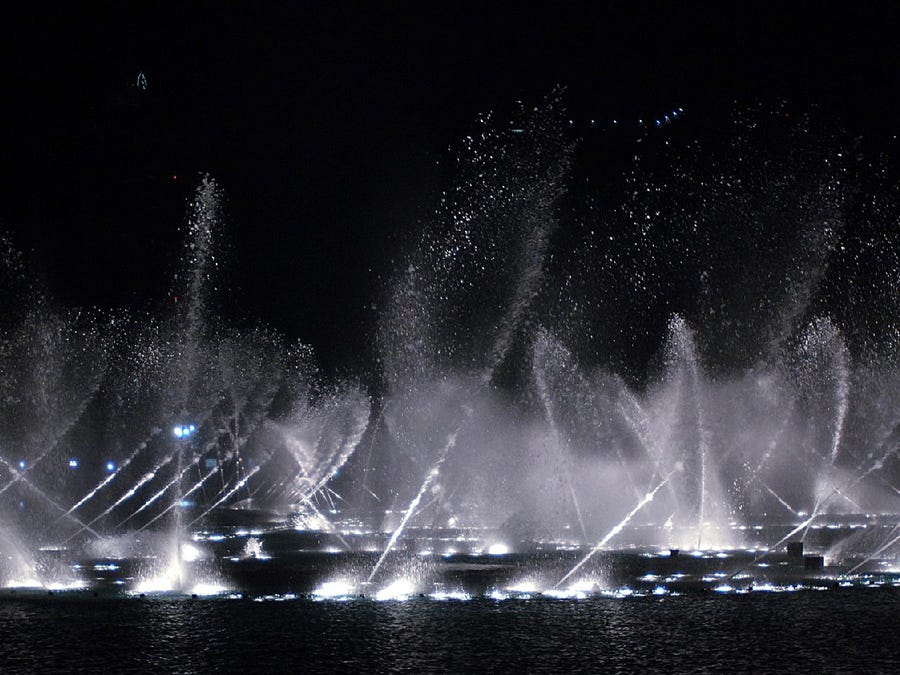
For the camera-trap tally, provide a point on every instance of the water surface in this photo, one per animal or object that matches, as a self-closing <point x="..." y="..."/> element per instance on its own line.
<point x="847" y="629"/>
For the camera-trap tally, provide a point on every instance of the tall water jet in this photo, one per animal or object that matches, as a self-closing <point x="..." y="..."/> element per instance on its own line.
<point x="200" y="261"/>
<point x="542" y="345"/>
<point x="682" y="392"/>
<point x="824" y="365"/>
<point x="442" y="313"/>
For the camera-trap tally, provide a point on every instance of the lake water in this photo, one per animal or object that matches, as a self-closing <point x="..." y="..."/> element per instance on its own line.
<point x="855" y="629"/>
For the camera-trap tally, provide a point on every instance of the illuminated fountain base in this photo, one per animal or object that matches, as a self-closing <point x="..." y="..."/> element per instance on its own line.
<point x="240" y="561"/>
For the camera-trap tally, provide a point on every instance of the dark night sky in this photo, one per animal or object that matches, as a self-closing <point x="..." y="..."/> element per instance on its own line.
<point x="325" y="126"/>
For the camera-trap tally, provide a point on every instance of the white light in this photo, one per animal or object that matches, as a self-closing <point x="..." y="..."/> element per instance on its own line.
<point x="564" y="594"/>
<point x="177" y="432"/>
<point x="334" y="589"/>
<point x="398" y="590"/>
<point x="73" y="463"/>
<point x="110" y="466"/>
<point x="21" y="463"/>
<point x="209" y="588"/>
<point x="66" y="585"/>
<point x="583" y="586"/>
<point x="190" y="553"/>
<point x="524" y="587"/>
<point x="450" y="595"/>
<point x="619" y="593"/>
<point x="498" y="549"/>
<point x="160" y="584"/>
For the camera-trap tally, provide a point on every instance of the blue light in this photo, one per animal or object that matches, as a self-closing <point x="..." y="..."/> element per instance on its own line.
<point x="675" y="114"/>
<point x="73" y="463"/>
<point x="110" y="466"/>
<point x="22" y="464"/>
<point x="186" y="503"/>
<point x="184" y="430"/>
<point x="658" y="123"/>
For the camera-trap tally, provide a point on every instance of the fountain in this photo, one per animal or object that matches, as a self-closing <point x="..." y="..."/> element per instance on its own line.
<point x="128" y="433"/>
<point x="516" y="446"/>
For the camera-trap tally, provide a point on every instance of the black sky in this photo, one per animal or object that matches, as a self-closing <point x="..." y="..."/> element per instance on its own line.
<point x="326" y="125"/>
